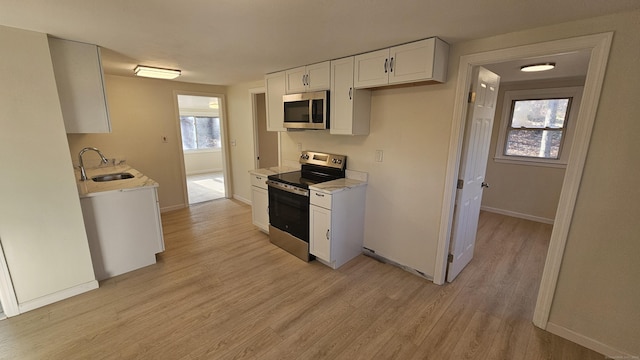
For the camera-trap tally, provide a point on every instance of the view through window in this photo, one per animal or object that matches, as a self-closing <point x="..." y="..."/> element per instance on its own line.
<point x="536" y="128"/>
<point x="200" y="132"/>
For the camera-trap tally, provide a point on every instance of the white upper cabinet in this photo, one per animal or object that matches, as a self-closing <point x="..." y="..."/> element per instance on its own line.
<point x="424" y="60"/>
<point x="80" y="81"/>
<point x="314" y="77"/>
<point x="275" y="89"/>
<point x="350" y="108"/>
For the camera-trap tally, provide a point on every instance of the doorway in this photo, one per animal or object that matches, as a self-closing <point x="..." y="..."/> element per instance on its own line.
<point x="266" y="143"/>
<point x="598" y="47"/>
<point x="201" y="128"/>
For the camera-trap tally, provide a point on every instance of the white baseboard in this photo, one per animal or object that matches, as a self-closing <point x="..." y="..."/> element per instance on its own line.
<point x="371" y="253"/>
<point x="518" y="215"/>
<point x="57" y="296"/>
<point x="589" y="343"/>
<point x="205" y="171"/>
<point x="240" y="198"/>
<point x="172" y="207"/>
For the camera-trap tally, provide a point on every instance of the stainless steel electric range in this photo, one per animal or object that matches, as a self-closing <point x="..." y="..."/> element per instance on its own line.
<point x="289" y="200"/>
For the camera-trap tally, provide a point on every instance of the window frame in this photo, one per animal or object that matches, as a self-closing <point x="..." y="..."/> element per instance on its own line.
<point x="574" y="92"/>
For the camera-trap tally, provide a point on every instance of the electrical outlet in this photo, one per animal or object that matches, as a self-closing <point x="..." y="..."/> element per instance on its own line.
<point x="299" y="147"/>
<point x="233" y="142"/>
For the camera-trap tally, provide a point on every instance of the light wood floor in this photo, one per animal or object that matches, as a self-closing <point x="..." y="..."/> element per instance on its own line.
<point x="205" y="187"/>
<point x="222" y="291"/>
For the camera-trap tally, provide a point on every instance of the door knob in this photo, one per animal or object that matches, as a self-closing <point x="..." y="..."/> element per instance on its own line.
<point x="485" y="185"/>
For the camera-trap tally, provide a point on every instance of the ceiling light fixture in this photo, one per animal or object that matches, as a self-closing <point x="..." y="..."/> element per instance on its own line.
<point x="157" y="73"/>
<point x="538" y="67"/>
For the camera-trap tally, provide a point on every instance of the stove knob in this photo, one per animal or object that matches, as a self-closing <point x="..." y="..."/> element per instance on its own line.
<point x="334" y="161"/>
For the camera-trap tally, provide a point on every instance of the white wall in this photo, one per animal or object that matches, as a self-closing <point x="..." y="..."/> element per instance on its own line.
<point x="41" y="224"/>
<point x="142" y="112"/>
<point x="202" y="161"/>
<point x="404" y="196"/>
<point x="524" y="190"/>
<point x="597" y="295"/>
<point x="240" y="125"/>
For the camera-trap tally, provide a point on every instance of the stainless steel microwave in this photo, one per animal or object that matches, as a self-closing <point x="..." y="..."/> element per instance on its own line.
<point x="306" y="110"/>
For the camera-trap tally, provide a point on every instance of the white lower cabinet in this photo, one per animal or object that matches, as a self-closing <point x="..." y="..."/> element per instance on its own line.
<point x="124" y="230"/>
<point x="320" y="227"/>
<point x="336" y="225"/>
<point x="260" y="202"/>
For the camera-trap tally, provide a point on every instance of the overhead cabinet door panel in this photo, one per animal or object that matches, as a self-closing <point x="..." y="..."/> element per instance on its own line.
<point x="370" y="69"/>
<point x="412" y="62"/>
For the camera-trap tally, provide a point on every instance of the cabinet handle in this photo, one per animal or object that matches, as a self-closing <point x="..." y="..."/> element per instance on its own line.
<point x="327" y="235"/>
<point x="386" y="61"/>
<point x="350" y="93"/>
<point x="320" y="195"/>
<point x="391" y="65"/>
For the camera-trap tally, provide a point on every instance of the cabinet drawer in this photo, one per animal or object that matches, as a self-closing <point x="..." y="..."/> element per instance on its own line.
<point x="320" y="199"/>
<point x="259" y="181"/>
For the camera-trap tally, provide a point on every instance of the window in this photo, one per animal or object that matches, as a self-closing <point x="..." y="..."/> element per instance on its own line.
<point x="537" y="126"/>
<point x="200" y="132"/>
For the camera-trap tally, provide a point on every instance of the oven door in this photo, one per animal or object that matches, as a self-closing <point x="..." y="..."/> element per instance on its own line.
<point x="289" y="210"/>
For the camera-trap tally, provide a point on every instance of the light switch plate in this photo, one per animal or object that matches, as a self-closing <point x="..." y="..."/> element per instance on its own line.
<point x="379" y="155"/>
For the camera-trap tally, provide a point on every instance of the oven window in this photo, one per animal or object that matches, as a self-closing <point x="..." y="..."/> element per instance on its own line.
<point x="289" y="212"/>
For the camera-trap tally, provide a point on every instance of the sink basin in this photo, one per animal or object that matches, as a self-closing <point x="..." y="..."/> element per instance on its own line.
<point x="111" y="177"/>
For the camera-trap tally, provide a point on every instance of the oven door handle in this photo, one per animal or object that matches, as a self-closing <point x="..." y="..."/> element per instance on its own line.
<point x="288" y="188"/>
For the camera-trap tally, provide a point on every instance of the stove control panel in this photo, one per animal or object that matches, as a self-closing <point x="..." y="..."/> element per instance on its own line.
<point x="323" y="159"/>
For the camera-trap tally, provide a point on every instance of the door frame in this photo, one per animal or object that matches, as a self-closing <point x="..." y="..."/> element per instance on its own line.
<point x="253" y="92"/>
<point x="599" y="46"/>
<point x="8" y="297"/>
<point x="228" y="190"/>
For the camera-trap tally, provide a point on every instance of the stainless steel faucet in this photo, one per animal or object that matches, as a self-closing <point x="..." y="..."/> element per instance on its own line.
<point x="83" y="173"/>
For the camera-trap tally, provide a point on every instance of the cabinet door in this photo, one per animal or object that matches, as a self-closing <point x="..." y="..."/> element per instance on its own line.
<point x="79" y="79"/>
<point x="275" y="87"/>
<point x="371" y="69"/>
<point x="341" y="116"/>
<point x="320" y="232"/>
<point x="319" y="76"/>
<point x="296" y="80"/>
<point x="350" y="108"/>
<point x="412" y="62"/>
<point x="260" y="208"/>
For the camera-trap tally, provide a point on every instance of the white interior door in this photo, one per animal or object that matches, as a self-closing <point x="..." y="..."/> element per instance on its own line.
<point x="473" y="165"/>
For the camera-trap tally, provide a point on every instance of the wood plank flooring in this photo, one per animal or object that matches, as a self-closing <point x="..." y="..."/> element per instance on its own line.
<point x="222" y="291"/>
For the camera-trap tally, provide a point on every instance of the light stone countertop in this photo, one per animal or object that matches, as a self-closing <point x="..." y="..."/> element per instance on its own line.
<point x="93" y="188"/>
<point x="273" y="170"/>
<point x="334" y="186"/>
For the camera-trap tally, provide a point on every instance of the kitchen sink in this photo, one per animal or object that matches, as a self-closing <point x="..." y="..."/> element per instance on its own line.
<point x="111" y="177"/>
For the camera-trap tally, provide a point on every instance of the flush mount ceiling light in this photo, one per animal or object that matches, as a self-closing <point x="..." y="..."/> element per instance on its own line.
<point x="538" y="67"/>
<point x="156" y="73"/>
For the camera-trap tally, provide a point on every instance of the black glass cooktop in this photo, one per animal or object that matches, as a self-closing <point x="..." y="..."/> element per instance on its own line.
<point x="303" y="178"/>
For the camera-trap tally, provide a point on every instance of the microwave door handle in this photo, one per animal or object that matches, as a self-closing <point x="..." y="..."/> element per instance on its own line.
<point x="312" y="113"/>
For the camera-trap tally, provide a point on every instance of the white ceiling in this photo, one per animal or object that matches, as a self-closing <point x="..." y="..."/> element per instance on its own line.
<point x="229" y="41"/>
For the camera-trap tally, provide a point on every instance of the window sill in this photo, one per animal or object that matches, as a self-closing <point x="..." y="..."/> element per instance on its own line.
<point x="199" y="151"/>
<point x="531" y="162"/>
